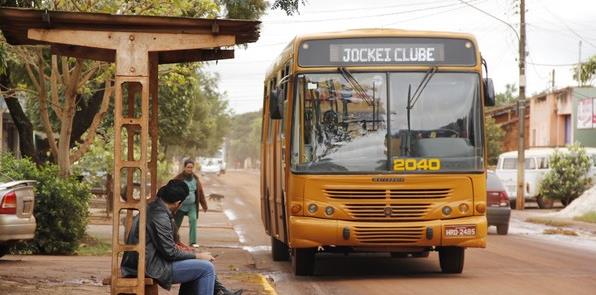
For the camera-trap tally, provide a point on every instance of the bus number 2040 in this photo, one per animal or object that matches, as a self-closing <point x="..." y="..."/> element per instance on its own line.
<point x="416" y="164"/>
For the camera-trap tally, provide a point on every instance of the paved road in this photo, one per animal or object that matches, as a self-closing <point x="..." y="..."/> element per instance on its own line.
<point x="524" y="262"/>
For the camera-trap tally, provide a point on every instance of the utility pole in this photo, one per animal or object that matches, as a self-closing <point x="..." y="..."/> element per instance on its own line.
<point x="521" y="105"/>
<point x="579" y="65"/>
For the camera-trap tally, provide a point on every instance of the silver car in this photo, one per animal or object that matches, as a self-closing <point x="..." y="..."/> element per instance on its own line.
<point x="17" y="222"/>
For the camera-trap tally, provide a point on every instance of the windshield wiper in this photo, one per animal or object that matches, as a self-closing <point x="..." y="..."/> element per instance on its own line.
<point x="356" y="85"/>
<point x="412" y="99"/>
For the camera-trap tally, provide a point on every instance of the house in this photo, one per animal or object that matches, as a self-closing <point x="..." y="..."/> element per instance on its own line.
<point x="562" y="117"/>
<point x="507" y="118"/>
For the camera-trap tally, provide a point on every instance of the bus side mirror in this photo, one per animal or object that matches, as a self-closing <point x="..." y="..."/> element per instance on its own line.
<point x="489" y="92"/>
<point x="275" y="105"/>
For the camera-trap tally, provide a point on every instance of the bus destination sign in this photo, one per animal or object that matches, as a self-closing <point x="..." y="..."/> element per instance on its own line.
<point x="386" y="51"/>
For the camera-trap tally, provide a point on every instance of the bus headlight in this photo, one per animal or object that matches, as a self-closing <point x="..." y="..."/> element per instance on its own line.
<point x="447" y="210"/>
<point x="312" y="208"/>
<point x="329" y="210"/>
<point x="463" y="207"/>
<point x="296" y="208"/>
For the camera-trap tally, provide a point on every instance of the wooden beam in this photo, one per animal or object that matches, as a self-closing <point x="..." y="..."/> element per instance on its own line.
<point x="99" y="54"/>
<point x="168" y="57"/>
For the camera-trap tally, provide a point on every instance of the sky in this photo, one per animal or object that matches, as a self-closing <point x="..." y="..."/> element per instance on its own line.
<point x="554" y="30"/>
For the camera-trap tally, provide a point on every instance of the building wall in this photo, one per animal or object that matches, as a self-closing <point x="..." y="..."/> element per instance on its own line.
<point x="587" y="137"/>
<point x="507" y="118"/>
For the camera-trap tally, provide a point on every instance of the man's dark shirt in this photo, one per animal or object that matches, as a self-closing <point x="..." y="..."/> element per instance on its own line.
<point x="160" y="247"/>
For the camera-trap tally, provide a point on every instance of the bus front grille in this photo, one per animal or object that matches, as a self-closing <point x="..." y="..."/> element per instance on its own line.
<point x="391" y="194"/>
<point x="405" y="212"/>
<point x="388" y="235"/>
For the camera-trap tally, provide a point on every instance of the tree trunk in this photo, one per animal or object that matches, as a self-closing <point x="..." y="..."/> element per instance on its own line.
<point x="86" y="111"/>
<point x="21" y="121"/>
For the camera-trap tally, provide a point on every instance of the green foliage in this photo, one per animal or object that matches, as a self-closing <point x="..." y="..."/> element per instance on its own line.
<point x="507" y="97"/>
<point x="587" y="71"/>
<point x="245" y="137"/>
<point x="245" y="9"/>
<point x="588" y="217"/>
<point x="289" y="6"/>
<point x="61" y="206"/>
<point x="494" y="138"/>
<point x="193" y="116"/>
<point x="3" y="59"/>
<point x="568" y="175"/>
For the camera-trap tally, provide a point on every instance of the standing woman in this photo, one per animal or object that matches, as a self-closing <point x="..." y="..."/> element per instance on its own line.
<point x="190" y="206"/>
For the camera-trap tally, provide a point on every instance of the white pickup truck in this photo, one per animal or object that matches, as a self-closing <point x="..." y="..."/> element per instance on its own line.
<point x="17" y="223"/>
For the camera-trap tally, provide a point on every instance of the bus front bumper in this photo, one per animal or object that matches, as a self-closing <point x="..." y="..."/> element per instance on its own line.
<point x="309" y="232"/>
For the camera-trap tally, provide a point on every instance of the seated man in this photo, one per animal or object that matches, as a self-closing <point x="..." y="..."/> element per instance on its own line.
<point x="165" y="262"/>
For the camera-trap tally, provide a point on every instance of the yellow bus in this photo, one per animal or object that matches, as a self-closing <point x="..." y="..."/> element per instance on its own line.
<point x="373" y="141"/>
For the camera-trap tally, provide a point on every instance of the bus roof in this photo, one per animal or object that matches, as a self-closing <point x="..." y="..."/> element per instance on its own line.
<point x="361" y="33"/>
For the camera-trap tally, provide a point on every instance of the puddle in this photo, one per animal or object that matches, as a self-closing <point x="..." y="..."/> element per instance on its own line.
<point x="255" y="249"/>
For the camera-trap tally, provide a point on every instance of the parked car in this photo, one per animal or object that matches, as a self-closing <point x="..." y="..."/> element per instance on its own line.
<point x="536" y="166"/>
<point x="498" y="211"/>
<point x="17" y="223"/>
<point x="212" y="165"/>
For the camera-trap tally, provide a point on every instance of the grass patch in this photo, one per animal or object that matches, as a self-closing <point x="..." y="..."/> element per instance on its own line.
<point x="91" y="246"/>
<point x="559" y="231"/>
<point x="548" y="221"/>
<point x="588" y="217"/>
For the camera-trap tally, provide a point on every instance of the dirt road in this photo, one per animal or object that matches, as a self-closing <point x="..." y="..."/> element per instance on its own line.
<point x="524" y="262"/>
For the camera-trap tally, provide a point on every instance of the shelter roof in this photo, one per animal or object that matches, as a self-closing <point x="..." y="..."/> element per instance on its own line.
<point x="15" y="23"/>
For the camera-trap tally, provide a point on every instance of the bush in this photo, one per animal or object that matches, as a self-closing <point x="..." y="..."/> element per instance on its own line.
<point x="494" y="139"/>
<point x="61" y="206"/>
<point x="568" y="176"/>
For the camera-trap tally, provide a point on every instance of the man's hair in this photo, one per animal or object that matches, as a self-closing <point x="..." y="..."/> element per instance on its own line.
<point x="188" y="161"/>
<point x="176" y="190"/>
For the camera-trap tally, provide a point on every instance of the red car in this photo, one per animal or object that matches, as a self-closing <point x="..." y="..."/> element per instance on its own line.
<point x="498" y="210"/>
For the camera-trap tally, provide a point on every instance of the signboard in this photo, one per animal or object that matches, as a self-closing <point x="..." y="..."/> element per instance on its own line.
<point x="386" y="51"/>
<point x="585" y="114"/>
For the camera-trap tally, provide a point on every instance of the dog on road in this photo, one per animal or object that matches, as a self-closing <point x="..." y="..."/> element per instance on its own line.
<point x="215" y="197"/>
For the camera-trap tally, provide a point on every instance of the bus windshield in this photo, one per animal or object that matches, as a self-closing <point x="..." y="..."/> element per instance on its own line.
<point x="340" y="128"/>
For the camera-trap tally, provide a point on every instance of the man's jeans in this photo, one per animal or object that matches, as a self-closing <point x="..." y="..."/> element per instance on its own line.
<point x="197" y="277"/>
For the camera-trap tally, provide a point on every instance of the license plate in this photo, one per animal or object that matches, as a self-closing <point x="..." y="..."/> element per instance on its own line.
<point x="27" y="206"/>
<point x="460" y="231"/>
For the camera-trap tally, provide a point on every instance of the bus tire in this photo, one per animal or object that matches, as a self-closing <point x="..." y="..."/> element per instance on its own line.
<point x="303" y="261"/>
<point x="544" y="203"/>
<point x="502" y="229"/>
<point x="279" y="250"/>
<point x="452" y="259"/>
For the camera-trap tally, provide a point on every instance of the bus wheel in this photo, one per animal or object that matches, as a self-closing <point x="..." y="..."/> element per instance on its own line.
<point x="452" y="259"/>
<point x="279" y="250"/>
<point x="303" y="261"/>
<point x="544" y="203"/>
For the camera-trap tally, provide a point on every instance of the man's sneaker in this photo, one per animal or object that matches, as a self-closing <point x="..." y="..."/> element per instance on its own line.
<point x="194" y="245"/>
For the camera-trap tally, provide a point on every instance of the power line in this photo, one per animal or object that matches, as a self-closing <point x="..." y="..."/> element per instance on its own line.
<point x="427" y="15"/>
<point x="360" y="17"/>
<point x="376" y="7"/>
<point x="567" y="26"/>
<point x="492" y="16"/>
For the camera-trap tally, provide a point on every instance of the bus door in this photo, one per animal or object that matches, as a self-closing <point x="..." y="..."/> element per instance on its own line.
<point x="265" y="164"/>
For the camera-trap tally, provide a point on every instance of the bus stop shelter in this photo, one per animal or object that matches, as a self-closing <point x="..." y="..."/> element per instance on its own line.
<point x="137" y="45"/>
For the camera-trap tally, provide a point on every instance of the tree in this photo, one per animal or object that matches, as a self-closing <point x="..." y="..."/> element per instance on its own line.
<point x="244" y="137"/>
<point x="289" y="6"/>
<point x="494" y="138"/>
<point x="587" y="71"/>
<point x="56" y="82"/>
<point x="568" y="176"/>
<point x="507" y="97"/>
